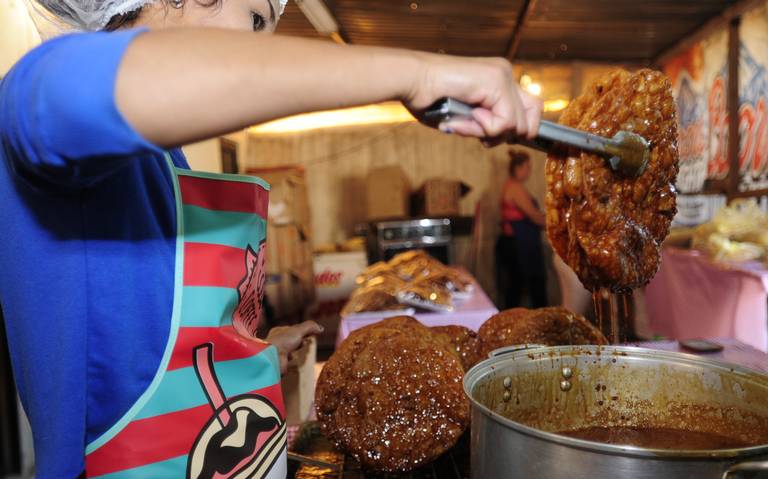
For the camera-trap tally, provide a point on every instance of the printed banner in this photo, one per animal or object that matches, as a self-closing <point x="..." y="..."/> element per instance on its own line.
<point x="753" y="96"/>
<point x="693" y="210"/>
<point x="699" y="81"/>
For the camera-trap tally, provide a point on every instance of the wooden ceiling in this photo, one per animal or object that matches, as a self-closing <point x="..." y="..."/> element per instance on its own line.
<point x="553" y="30"/>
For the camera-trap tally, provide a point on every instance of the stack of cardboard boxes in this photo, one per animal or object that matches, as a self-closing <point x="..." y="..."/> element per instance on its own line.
<point x="290" y="276"/>
<point x="390" y="196"/>
<point x="388" y="191"/>
<point x="438" y="197"/>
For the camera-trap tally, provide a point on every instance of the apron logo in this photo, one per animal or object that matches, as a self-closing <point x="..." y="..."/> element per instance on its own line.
<point x="245" y="436"/>
<point x="250" y="292"/>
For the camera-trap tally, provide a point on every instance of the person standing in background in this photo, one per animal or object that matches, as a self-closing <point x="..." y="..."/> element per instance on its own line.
<point x="519" y="258"/>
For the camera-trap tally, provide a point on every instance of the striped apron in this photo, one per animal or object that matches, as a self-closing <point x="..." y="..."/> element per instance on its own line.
<point x="214" y="408"/>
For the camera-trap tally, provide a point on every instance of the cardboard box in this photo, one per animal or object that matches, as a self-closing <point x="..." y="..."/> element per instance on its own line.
<point x="288" y="248"/>
<point x="288" y="200"/>
<point x="328" y="315"/>
<point x="290" y="292"/>
<point x="298" y="383"/>
<point x="305" y="276"/>
<point x="335" y="274"/>
<point x="388" y="193"/>
<point x="284" y="294"/>
<point x="439" y="197"/>
<point x="334" y="281"/>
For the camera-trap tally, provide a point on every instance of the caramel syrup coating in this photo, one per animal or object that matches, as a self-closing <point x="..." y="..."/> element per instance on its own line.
<point x="606" y="227"/>
<point x="463" y="340"/>
<point x="392" y="396"/>
<point x="553" y="326"/>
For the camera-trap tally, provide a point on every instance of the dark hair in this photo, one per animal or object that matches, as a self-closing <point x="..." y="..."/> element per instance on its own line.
<point x="123" y="20"/>
<point x="127" y="19"/>
<point x="517" y="158"/>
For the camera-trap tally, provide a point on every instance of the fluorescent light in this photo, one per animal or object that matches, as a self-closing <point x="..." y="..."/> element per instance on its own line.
<point x="392" y="112"/>
<point x="319" y="16"/>
<point x="555" y="105"/>
<point x="528" y="85"/>
<point x="534" y="89"/>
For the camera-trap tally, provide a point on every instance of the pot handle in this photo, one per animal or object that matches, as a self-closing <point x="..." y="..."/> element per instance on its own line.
<point x="755" y="466"/>
<point x="511" y="349"/>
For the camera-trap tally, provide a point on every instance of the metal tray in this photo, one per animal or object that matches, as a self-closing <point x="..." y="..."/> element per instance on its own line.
<point x="454" y="464"/>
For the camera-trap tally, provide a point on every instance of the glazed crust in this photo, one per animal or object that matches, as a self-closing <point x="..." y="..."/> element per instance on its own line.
<point x="464" y="341"/>
<point x="392" y="396"/>
<point x="554" y="326"/>
<point x="606" y="227"/>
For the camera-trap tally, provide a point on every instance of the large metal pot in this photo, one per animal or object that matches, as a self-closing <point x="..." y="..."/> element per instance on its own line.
<point x="520" y="398"/>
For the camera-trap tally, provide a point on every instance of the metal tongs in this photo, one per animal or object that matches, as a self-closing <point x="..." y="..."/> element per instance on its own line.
<point x="627" y="153"/>
<point x="292" y="456"/>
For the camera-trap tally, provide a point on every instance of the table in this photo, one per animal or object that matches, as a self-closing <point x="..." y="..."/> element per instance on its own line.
<point x="693" y="296"/>
<point x="735" y="352"/>
<point x="471" y="312"/>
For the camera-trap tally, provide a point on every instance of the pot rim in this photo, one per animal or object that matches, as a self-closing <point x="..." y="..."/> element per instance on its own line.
<point x="482" y="369"/>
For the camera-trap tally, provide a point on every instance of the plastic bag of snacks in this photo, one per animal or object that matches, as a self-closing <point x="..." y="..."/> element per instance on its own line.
<point x="450" y="279"/>
<point x="461" y="282"/>
<point x="372" y="298"/>
<point x="738" y="232"/>
<point x="741" y="217"/>
<point x="415" y="266"/>
<point x="407" y="256"/>
<point x="372" y="271"/>
<point x="426" y="295"/>
<point x="389" y="282"/>
<point x="720" y="248"/>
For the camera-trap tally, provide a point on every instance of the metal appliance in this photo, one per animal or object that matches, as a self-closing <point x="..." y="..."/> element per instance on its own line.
<point x="387" y="238"/>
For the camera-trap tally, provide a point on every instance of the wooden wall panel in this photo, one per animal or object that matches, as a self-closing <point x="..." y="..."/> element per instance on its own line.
<point x="337" y="162"/>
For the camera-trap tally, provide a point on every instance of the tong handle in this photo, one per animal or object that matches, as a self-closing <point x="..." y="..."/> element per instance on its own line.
<point x="548" y="135"/>
<point x="566" y="135"/>
<point x="292" y="456"/>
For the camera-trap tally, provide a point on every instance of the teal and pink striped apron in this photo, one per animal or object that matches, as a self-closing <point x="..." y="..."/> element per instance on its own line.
<point x="214" y="408"/>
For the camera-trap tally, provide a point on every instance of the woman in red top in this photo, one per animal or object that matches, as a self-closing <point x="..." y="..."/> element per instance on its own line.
<point x="519" y="259"/>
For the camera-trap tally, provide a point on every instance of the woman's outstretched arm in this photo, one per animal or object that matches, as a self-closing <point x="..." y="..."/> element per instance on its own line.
<point x="181" y="85"/>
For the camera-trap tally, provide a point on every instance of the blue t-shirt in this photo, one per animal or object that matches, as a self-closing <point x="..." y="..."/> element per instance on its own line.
<point x="88" y="243"/>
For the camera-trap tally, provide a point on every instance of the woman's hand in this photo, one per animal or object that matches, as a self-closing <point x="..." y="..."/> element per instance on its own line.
<point x="288" y="339"/>
<point x="503" y="110"/>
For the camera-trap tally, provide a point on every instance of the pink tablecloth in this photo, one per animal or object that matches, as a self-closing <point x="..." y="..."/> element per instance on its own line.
<point x="734" y="352"/>
<point x="694" y="297"/>
<point x="471" y="312"/>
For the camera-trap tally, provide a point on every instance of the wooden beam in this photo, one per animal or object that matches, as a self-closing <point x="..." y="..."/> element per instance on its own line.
<point x="720" y="21"/>
<point x="341" y="37"/>
<point x="336" y="37"/>
<point x="734" y="139"/>
<point x="749" y="194"/>
<point x="517" y="31"/>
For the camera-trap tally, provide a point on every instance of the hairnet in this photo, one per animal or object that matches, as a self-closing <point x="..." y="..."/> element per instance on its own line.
<point x="93" y="15"/>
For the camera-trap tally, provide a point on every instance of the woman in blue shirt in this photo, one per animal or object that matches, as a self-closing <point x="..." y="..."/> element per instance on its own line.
<point x="90" y="128"/>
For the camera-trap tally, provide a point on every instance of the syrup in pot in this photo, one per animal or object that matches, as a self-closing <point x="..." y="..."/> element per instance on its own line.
<point x="656" y="438"/>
